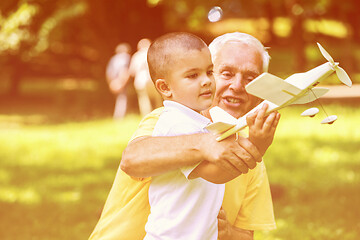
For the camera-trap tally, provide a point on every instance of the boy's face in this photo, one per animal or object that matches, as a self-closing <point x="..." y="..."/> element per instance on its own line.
<point x="191" y="80"/>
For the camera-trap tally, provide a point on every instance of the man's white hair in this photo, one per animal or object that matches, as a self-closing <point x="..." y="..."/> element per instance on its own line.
<point x="216" y="45"/>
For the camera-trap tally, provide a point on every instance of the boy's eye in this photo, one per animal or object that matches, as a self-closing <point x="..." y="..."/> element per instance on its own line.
<point x="210" y="72"/>
<point x="194" y="75"/>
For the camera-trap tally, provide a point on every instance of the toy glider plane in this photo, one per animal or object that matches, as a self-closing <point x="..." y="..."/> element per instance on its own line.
<point x="299" y="88"/>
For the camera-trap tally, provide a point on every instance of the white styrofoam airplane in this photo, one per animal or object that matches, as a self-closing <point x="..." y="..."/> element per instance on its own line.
<point x="299" y="88"/>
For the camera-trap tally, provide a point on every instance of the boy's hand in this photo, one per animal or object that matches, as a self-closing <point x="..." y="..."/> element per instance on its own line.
<point x="236" y="157"/>
<point x="262" y="128"/>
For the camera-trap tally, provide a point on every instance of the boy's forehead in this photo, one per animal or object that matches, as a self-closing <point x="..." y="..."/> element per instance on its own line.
<point x="185" y="50"/>
<point x="180" y="52"/>
<point x="188" y="59"/>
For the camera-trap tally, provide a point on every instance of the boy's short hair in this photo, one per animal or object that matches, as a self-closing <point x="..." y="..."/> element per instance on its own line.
<point x="161" y="52"/>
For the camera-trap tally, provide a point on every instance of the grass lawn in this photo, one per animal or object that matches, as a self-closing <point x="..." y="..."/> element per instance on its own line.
<point x="54" y="178"/>
<point x="313" y="172"/>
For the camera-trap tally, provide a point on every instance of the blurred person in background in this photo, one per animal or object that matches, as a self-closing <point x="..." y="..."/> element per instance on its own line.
<point x="148" y="97"/>
<point x="117" y="76"/>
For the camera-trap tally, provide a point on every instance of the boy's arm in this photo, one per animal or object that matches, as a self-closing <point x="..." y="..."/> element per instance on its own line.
<point x="261" y="134"/>
<point x="216" y="174"/>
<point x="148" y="156"/>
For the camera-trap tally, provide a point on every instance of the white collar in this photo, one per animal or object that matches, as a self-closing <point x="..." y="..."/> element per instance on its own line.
<point x="187" y="111"/>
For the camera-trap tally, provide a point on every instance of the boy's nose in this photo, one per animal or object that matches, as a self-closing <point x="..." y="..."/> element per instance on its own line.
<point x="206" y="81"/>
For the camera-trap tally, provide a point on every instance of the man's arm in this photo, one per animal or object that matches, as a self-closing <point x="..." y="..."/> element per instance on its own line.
<point x="150" y="156"/>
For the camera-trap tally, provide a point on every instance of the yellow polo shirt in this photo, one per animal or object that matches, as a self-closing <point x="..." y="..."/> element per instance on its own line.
<point x="247" y="200"/>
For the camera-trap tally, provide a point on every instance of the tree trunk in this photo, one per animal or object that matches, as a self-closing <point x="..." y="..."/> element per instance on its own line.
<point x="16" y="74"/>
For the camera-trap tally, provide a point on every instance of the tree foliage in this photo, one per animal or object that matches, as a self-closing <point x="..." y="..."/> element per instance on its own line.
<point x="62" y="38"/>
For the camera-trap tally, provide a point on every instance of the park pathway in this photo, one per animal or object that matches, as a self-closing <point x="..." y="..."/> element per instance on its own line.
<point x="342" y="92"/>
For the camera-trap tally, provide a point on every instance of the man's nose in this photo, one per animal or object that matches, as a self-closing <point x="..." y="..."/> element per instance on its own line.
<point x="237" y="83"/>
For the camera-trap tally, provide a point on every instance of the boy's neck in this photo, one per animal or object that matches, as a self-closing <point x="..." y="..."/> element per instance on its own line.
<point x="182" y="104"/>
<point x="206" y="113"/>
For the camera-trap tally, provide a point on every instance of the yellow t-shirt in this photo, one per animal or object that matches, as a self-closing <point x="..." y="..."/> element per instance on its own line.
<point x="247" y="200"/>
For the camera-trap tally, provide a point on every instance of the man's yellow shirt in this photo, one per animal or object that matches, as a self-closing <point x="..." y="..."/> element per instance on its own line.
<point x="247" y="200"/>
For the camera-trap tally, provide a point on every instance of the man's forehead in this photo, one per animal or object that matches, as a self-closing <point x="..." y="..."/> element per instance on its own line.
<point x="244" y="68"/>
<point x="239" y="62"/>
<point x="234" y="44"/>
<point x="238" y="55"/>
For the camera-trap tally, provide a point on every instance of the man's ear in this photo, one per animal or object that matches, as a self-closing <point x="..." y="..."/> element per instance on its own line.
<point x="163" y="87"/>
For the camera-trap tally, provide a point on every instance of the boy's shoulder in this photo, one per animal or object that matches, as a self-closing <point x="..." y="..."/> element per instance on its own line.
<point x="177" y="121"/>
<point x="173" y="116"/>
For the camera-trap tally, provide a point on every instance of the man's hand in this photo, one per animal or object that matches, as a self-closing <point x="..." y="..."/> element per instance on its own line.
<point x="224" y="227"/>
<point x="236" y="157"/>
<point x="262" y="128"/>
<point x="228" y="232"/>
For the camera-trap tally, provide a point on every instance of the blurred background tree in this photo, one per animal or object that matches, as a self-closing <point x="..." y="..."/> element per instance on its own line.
<point x="52" y="40"/>
<point x="63" y="38"/>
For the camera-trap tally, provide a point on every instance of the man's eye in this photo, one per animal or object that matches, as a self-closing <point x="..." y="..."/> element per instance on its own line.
<point x="226" y="74"/>
<point x="250" y="78"/>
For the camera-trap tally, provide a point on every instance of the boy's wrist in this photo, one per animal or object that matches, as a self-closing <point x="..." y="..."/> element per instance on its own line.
<point x="259" y="145"/>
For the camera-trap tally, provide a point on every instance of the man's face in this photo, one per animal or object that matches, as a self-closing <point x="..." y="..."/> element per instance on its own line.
<point x="236" y="65"/>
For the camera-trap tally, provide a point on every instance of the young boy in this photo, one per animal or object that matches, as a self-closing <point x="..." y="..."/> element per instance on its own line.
<point x="181" y="69"/>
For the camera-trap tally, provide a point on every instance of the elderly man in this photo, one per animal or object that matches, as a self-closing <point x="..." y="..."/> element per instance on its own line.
<point x="238" y="58"/>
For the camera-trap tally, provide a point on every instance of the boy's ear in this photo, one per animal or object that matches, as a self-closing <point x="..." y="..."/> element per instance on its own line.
<point x="163" y="87"/>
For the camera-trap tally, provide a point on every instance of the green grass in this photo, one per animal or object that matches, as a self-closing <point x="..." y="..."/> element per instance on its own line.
<point x="313" y="172"/>
<point x="54" y="178"/>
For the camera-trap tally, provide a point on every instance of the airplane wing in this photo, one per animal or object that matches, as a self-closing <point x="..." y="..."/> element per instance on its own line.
<point x="219" y="127"/>
<point x="311" y="95"/>
<point x="272" y="88"/>
<point x="222" y="120"/>
<point x="219" y="115"/>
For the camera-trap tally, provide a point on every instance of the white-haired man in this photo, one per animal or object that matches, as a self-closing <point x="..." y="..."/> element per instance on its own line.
<point x="238" y="58"/>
